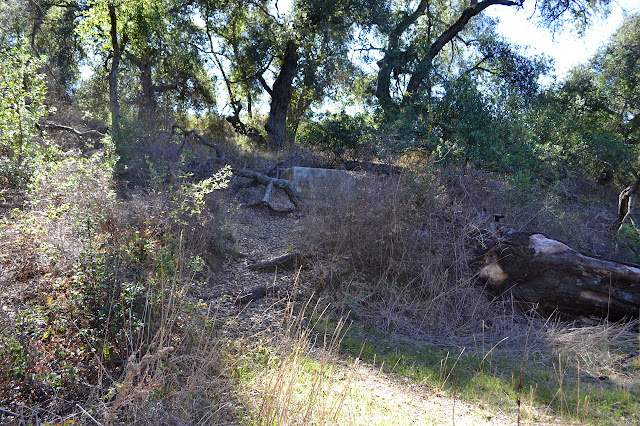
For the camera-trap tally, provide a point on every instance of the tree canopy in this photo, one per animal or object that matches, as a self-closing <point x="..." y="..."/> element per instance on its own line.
<point x="429" y="75"/>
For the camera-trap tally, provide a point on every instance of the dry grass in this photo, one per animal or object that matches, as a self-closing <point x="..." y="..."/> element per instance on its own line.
<point x="395" y="253"/>
<point x="93" y="297"/>
<point x="601" y="350"/>
<point x="300" y="382"/>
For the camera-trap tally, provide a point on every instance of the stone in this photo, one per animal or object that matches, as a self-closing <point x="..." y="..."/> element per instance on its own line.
<point x="314" y="183"/>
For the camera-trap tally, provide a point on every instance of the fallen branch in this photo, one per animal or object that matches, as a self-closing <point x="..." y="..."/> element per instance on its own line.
<point x="10" y="413"/>
<point x="260" y="178"/>
<point x="180" y="131"/>
<point x="286" y="261"/>
<point x="88" y="133"/>
<point x="257" y="293"/>
<point x="626" y="202"/>
<point x="285" y="185"/>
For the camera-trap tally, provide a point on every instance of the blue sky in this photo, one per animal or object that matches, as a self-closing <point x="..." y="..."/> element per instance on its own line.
<point x="566" y="48"/>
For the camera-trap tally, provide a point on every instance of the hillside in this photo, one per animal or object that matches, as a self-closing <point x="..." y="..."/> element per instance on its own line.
<point x="120" y="303"/>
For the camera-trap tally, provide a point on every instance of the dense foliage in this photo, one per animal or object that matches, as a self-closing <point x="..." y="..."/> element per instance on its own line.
<point x="22" y="92"/>
<point x="428" y="75"/>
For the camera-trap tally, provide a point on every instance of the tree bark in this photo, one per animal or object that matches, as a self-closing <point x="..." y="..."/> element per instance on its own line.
<point x="148" y="103"/>
<point x="36" y="24"/>
<point x="243" y="129"/>
<point x="276" y="125"/>
<point x="546" y="272"/>
<point x="422" y="70"/>
<point x="114" y="103"/>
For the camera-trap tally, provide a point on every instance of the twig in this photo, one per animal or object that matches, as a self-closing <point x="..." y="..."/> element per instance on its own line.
<point x="88" y="415"/>
<point x="10" y="413"/>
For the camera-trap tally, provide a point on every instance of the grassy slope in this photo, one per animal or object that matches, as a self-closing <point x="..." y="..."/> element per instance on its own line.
<point x="97" y="323"/>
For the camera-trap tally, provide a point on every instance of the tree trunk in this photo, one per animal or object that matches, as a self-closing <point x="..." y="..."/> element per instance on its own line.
<point x="148" y="104"/>
<point x="390" y="61"/>
<point x="114" y="104"/>
<point x="276" y="125"/>
<point x="538" y="270"/>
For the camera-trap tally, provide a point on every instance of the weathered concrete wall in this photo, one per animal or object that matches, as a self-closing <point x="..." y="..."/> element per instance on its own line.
<point x="318" y="183"/>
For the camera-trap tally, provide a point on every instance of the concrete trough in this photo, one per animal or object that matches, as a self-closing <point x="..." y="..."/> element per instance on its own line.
<point x="314" y="183"/>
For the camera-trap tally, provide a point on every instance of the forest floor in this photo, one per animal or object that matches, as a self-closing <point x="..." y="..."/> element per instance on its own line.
<point x="368" y="394"/>
<point x="110" y="316"/>
<point x="374" y="397"/>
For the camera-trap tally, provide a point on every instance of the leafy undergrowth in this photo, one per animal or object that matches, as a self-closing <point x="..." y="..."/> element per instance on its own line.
<point x="93" y="304"/>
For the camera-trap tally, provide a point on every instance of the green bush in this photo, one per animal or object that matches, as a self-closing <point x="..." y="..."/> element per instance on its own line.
<point x="339" y="134"/>
<point x="22" y="92"/>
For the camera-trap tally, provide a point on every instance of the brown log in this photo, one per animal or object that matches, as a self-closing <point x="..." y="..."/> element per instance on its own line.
<point x="286" y="261"/>
<point x="539" y="270"/>
<point x="256" y="294"/>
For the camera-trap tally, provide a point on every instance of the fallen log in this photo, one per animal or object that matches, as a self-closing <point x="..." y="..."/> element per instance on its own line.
<point x="256" y="294"/>
<point x="538" y="270"/>
<point x="286" y="261"/>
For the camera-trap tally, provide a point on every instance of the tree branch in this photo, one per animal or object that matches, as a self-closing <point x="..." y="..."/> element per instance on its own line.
<point x="424" y="66"/>
<point x="161" y="88"/>
<point x="36" y="24"/>
<point x="76" y="132"/>
<point x="269" y="182"/>
<point x="626" y="201"/>
<point x="264" y="84"/>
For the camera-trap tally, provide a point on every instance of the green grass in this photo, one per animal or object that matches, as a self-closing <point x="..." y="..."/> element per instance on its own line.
<point x="545" y="385"/>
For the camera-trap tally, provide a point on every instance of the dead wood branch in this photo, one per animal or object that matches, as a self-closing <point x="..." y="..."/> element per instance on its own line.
<point x="245" y="130"/>
<point x="79" y="133"/>
<point x="257" y="293"/>
<point x="180" y="131"/>
<point x="626" y="201"/>
<point x="286" y="261"/>
<point x="260" y="178"/>
<point x="539" y="270"/>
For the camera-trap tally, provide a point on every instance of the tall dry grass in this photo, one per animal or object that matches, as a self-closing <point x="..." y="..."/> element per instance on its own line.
<point x="396" y="254"/>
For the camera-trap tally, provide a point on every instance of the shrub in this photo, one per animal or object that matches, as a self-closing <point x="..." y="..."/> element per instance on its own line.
<point x="339" y="134"/>
<point x="395" y="259"/>
<point x="22" y="91"/>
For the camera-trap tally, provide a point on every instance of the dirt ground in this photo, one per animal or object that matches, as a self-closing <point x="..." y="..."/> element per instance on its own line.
<point x="373" y="397"/>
